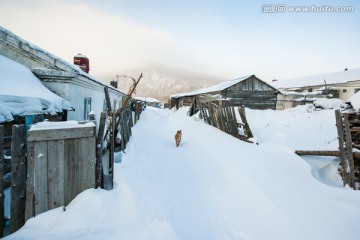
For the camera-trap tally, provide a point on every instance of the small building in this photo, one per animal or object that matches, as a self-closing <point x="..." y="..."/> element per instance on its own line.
<point x="248" y="91"/>
<point x="69" y="81"/>
<point x="342" y="85"/>
<point x="152" y="102"/>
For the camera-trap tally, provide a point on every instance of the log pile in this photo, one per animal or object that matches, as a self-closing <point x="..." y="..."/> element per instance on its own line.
<point x="348" y="128"/>
<point x="351" y="123"/>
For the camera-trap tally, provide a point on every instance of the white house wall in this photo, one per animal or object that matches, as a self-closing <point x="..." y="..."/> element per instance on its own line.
<point x="76" y="90"/>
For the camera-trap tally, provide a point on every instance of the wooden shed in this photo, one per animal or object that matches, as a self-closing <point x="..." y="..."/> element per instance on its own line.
<point x="248" y="91"/>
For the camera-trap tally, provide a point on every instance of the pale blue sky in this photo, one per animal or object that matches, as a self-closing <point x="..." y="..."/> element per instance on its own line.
<point x="226" y="38"/>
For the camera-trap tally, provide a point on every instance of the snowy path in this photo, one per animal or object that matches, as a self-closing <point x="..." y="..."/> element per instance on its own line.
<point x="212" y="187"/>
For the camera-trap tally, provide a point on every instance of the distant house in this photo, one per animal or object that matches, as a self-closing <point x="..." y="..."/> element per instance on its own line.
<point x="153" y="102"/>
<point x="248" y="91"/>
<point x="84" y="92"/>
<point x="342" y="85"/>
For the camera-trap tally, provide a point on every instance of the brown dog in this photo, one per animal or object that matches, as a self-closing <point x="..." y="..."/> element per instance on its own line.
<point x="178" y="138"/>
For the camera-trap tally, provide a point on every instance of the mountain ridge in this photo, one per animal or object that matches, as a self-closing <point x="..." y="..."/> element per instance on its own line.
<point x="161" y="81"/>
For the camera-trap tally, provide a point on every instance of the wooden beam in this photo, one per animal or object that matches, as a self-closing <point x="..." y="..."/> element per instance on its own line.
<point x="99" y="142"/>
<point x="2" y="196"/>
<point x="18" y="178"/>
<point x="107" y="99"/>
<point x="61" y="133"/>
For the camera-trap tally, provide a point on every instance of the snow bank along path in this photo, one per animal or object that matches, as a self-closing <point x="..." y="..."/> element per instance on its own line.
<point x="212" y="187"/>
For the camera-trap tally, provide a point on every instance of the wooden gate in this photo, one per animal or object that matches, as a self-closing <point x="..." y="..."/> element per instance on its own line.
<point x="61" y="164"/>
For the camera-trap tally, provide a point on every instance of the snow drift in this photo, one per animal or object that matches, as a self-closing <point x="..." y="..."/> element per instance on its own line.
<point x="215" y="186"/>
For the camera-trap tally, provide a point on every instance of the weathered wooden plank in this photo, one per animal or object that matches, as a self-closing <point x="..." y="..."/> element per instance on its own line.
<point x="242" y="114"/>
<point x="99" y="142"/>
<point x="61" y="133"/>
<point x="107" y="99"/>
<point x="2" y="196"/>
<point x="341" y="137"/>
<point x="56" y="174"/>
<point x="112" y="152"/>
<point x="251" y="94"/>
<point x="324" y="153"/>
<point x="30" y="183"/>
<point x="87" y="163"/>
<point x="41" y="177"/>
<point x="18" y="178"/>
<point x="234" y="123"/>
<point x="71" y="169"/>
<point x="318" y="153"/>
<point x="349" y="151"/>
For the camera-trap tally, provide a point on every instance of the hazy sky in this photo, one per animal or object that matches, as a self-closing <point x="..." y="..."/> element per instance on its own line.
<point x="227" y="38"/>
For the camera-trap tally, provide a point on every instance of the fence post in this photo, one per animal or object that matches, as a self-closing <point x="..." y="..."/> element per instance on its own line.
<point x="99" y="142"/>
<point x="2" y="196"/>
<point x="18" y="178"/>
<point x="247" y="129"/>
<point x="112" y="149"/>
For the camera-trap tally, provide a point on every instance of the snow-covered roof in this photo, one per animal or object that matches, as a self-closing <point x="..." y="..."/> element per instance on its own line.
<point x="315" y="80"/>
<point x="22" y="93"/>
<point x="79" y="55"/>
<point x="355" y="101"/>
<point x="148" y="99"/>
<point x="215" y="88"/>
<point x="57" y="63"/>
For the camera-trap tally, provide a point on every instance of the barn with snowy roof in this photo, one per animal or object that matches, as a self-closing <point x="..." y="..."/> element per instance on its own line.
<point x="248" y="91"/>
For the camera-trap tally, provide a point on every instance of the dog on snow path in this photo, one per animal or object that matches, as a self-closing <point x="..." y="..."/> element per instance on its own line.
<point x="178" y="137"/>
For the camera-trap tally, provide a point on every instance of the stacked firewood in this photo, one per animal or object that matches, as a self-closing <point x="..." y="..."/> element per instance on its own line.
<point x="354" y="126"/>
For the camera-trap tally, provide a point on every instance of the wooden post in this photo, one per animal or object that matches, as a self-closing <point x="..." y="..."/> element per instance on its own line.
<point x="343" y="148"/>
<point x="2" y="196"/>
<point x="99" y="142"/>
<point x="107" y="99"/>
<point x="112" y="152"/>
<point x="18" y="178"/>
<point x="349" y="151"/>
<point x="247" y="129"/>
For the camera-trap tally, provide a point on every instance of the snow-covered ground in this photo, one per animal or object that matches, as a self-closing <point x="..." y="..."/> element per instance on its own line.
<point x="214" y="186"/>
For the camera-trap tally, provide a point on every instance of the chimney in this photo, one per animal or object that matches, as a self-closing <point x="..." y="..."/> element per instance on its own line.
<point x="114" y="83"/>
<point x="83" y="62"/>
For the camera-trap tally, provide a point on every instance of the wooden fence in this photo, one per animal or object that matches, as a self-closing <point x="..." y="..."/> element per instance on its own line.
<point x="61" y="164"/>
<point x="2" y="194"/>
<point x="348" y="129"/>
<point x="224" y="118"/>
<point x="17" y="178"/>
<point x="117" y="131"/>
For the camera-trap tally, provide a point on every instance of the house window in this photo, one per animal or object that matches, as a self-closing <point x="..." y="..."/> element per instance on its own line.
<point x="344" y="90"/>
<point x="87" y="107"/>
<point x="310" y="90"/>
